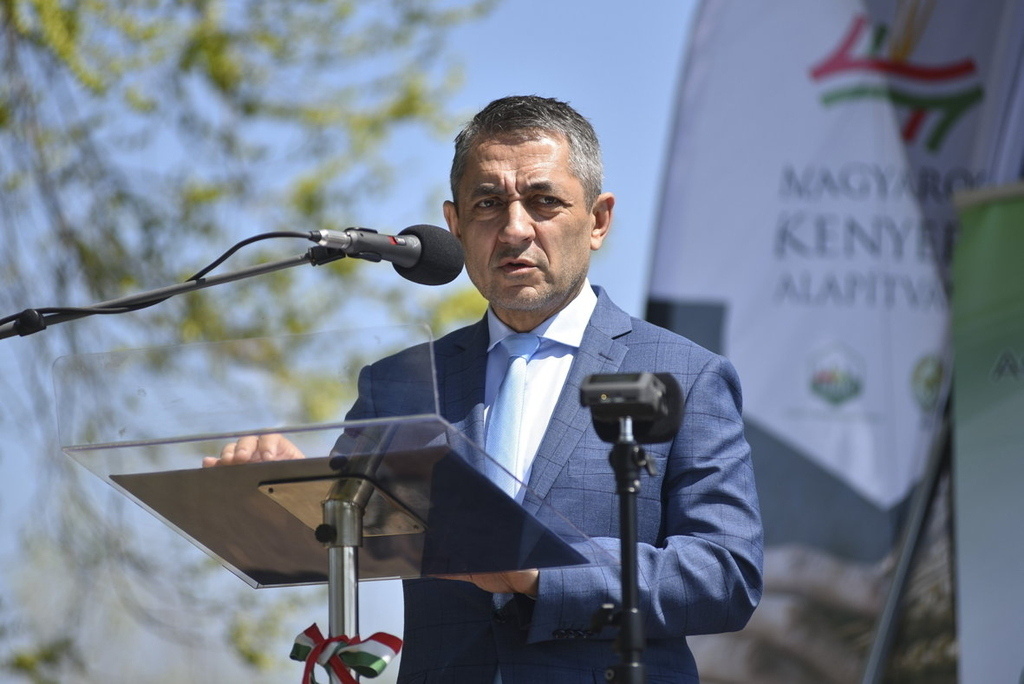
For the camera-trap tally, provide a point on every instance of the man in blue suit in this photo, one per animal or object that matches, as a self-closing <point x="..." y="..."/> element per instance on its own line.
<point x="528" y="209"/>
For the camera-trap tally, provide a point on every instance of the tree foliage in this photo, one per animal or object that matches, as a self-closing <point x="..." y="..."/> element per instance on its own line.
<point x="138" y="138"/>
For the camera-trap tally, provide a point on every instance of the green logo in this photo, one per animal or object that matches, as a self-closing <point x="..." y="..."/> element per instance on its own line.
<point x="926" y="381"/>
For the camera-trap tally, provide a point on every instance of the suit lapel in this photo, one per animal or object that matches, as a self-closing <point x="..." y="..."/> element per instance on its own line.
<point x="461" y="371"/>
<point x="600" y="352"/>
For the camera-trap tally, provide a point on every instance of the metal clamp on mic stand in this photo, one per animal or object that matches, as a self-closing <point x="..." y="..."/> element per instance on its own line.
<point x="628" y="409"/>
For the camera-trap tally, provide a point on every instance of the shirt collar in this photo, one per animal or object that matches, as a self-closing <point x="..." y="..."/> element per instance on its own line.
<point x="565" y="327"/>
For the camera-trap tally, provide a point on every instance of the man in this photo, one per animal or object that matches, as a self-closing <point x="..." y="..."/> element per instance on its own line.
<point x="528" y="209"/>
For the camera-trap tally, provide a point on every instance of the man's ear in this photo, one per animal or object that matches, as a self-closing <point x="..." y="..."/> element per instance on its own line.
<point x="451" y="217"/>
<point x="602" y="213"/>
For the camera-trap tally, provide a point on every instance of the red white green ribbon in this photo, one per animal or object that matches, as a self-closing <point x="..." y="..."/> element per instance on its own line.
<point x="342" y="655"/>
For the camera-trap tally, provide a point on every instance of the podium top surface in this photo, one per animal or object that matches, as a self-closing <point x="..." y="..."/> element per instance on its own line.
<point x="143" y="420"/>
<point x="427" y="511"/>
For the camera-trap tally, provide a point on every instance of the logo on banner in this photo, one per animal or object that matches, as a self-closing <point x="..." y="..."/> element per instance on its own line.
<point x="837" y="375"/>
<point x="932" y="97"/>
<point x="926" y="381"/>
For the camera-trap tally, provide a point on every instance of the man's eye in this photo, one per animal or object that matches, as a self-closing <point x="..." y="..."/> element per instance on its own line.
<point x="548" y="200"/>
<point x="488" y="203"/>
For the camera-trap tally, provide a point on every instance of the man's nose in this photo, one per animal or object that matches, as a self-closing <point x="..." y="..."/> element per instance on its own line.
<point x="519" y="224"/>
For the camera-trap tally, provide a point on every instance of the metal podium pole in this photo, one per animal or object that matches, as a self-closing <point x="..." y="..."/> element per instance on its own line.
<point x="342" y="534"/>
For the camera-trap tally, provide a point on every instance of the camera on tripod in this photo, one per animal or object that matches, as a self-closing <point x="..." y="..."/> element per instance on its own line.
<point x="653" y="402"/>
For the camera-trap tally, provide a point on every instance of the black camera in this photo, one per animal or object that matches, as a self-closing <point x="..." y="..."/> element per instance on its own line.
<point x="641" y="396"/>
<point x="652" y="400"/>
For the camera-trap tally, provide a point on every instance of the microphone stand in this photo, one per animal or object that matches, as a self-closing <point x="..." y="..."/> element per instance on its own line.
<point x="626" y="458"/>
<point x="32" y="320"/>
<point x="655" y="401"/>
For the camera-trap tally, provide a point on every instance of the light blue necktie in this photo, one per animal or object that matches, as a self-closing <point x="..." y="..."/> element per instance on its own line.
<point x="506" y="417"/>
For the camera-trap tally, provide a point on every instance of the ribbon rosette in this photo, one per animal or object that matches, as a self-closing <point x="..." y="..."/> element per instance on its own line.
<point x="338" y="655"/>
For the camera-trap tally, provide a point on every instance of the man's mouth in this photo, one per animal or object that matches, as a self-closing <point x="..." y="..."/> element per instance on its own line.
<point x="515" y="266"/>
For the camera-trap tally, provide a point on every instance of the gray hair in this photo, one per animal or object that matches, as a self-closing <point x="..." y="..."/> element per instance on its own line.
<point x="524" y="116"/>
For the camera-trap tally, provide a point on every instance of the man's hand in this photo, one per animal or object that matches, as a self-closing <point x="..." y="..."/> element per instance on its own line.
<point x="253" y="449"/>
<point x="511" y="582"/>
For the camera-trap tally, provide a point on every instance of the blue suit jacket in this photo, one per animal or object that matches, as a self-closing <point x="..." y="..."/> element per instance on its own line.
<point x="699" y="527"/>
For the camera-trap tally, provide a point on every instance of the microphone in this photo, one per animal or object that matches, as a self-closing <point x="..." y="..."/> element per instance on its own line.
<point x="654" y="401"/>
<point x="424" y="254"/>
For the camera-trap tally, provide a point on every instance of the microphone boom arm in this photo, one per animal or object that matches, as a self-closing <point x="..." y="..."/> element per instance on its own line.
<point x="32" y="320"/>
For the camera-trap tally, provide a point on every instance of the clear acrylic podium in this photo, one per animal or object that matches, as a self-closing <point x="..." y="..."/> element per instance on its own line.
<point x="397" y="497"/>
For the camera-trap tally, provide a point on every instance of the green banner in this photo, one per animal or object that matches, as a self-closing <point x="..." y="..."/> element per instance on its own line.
<point x="988" y="339"/>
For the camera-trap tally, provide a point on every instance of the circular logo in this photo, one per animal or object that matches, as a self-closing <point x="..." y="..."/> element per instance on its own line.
<point x="837" y="375"/>
<point x="926" y="381"/>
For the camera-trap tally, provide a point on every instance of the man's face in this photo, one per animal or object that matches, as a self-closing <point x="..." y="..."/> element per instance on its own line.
<point x="525" y="226"/>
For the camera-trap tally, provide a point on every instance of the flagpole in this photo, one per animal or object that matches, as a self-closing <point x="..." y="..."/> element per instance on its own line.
<point x="938" y="464"/>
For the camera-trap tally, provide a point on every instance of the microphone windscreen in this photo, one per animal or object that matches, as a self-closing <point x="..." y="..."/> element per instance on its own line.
<point x="441" y="258"/>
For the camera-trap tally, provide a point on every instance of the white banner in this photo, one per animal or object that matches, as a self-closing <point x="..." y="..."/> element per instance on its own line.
<point x="805" y="233"/>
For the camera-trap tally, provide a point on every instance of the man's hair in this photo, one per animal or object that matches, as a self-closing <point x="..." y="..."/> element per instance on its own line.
<point x="522" y="117"/>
